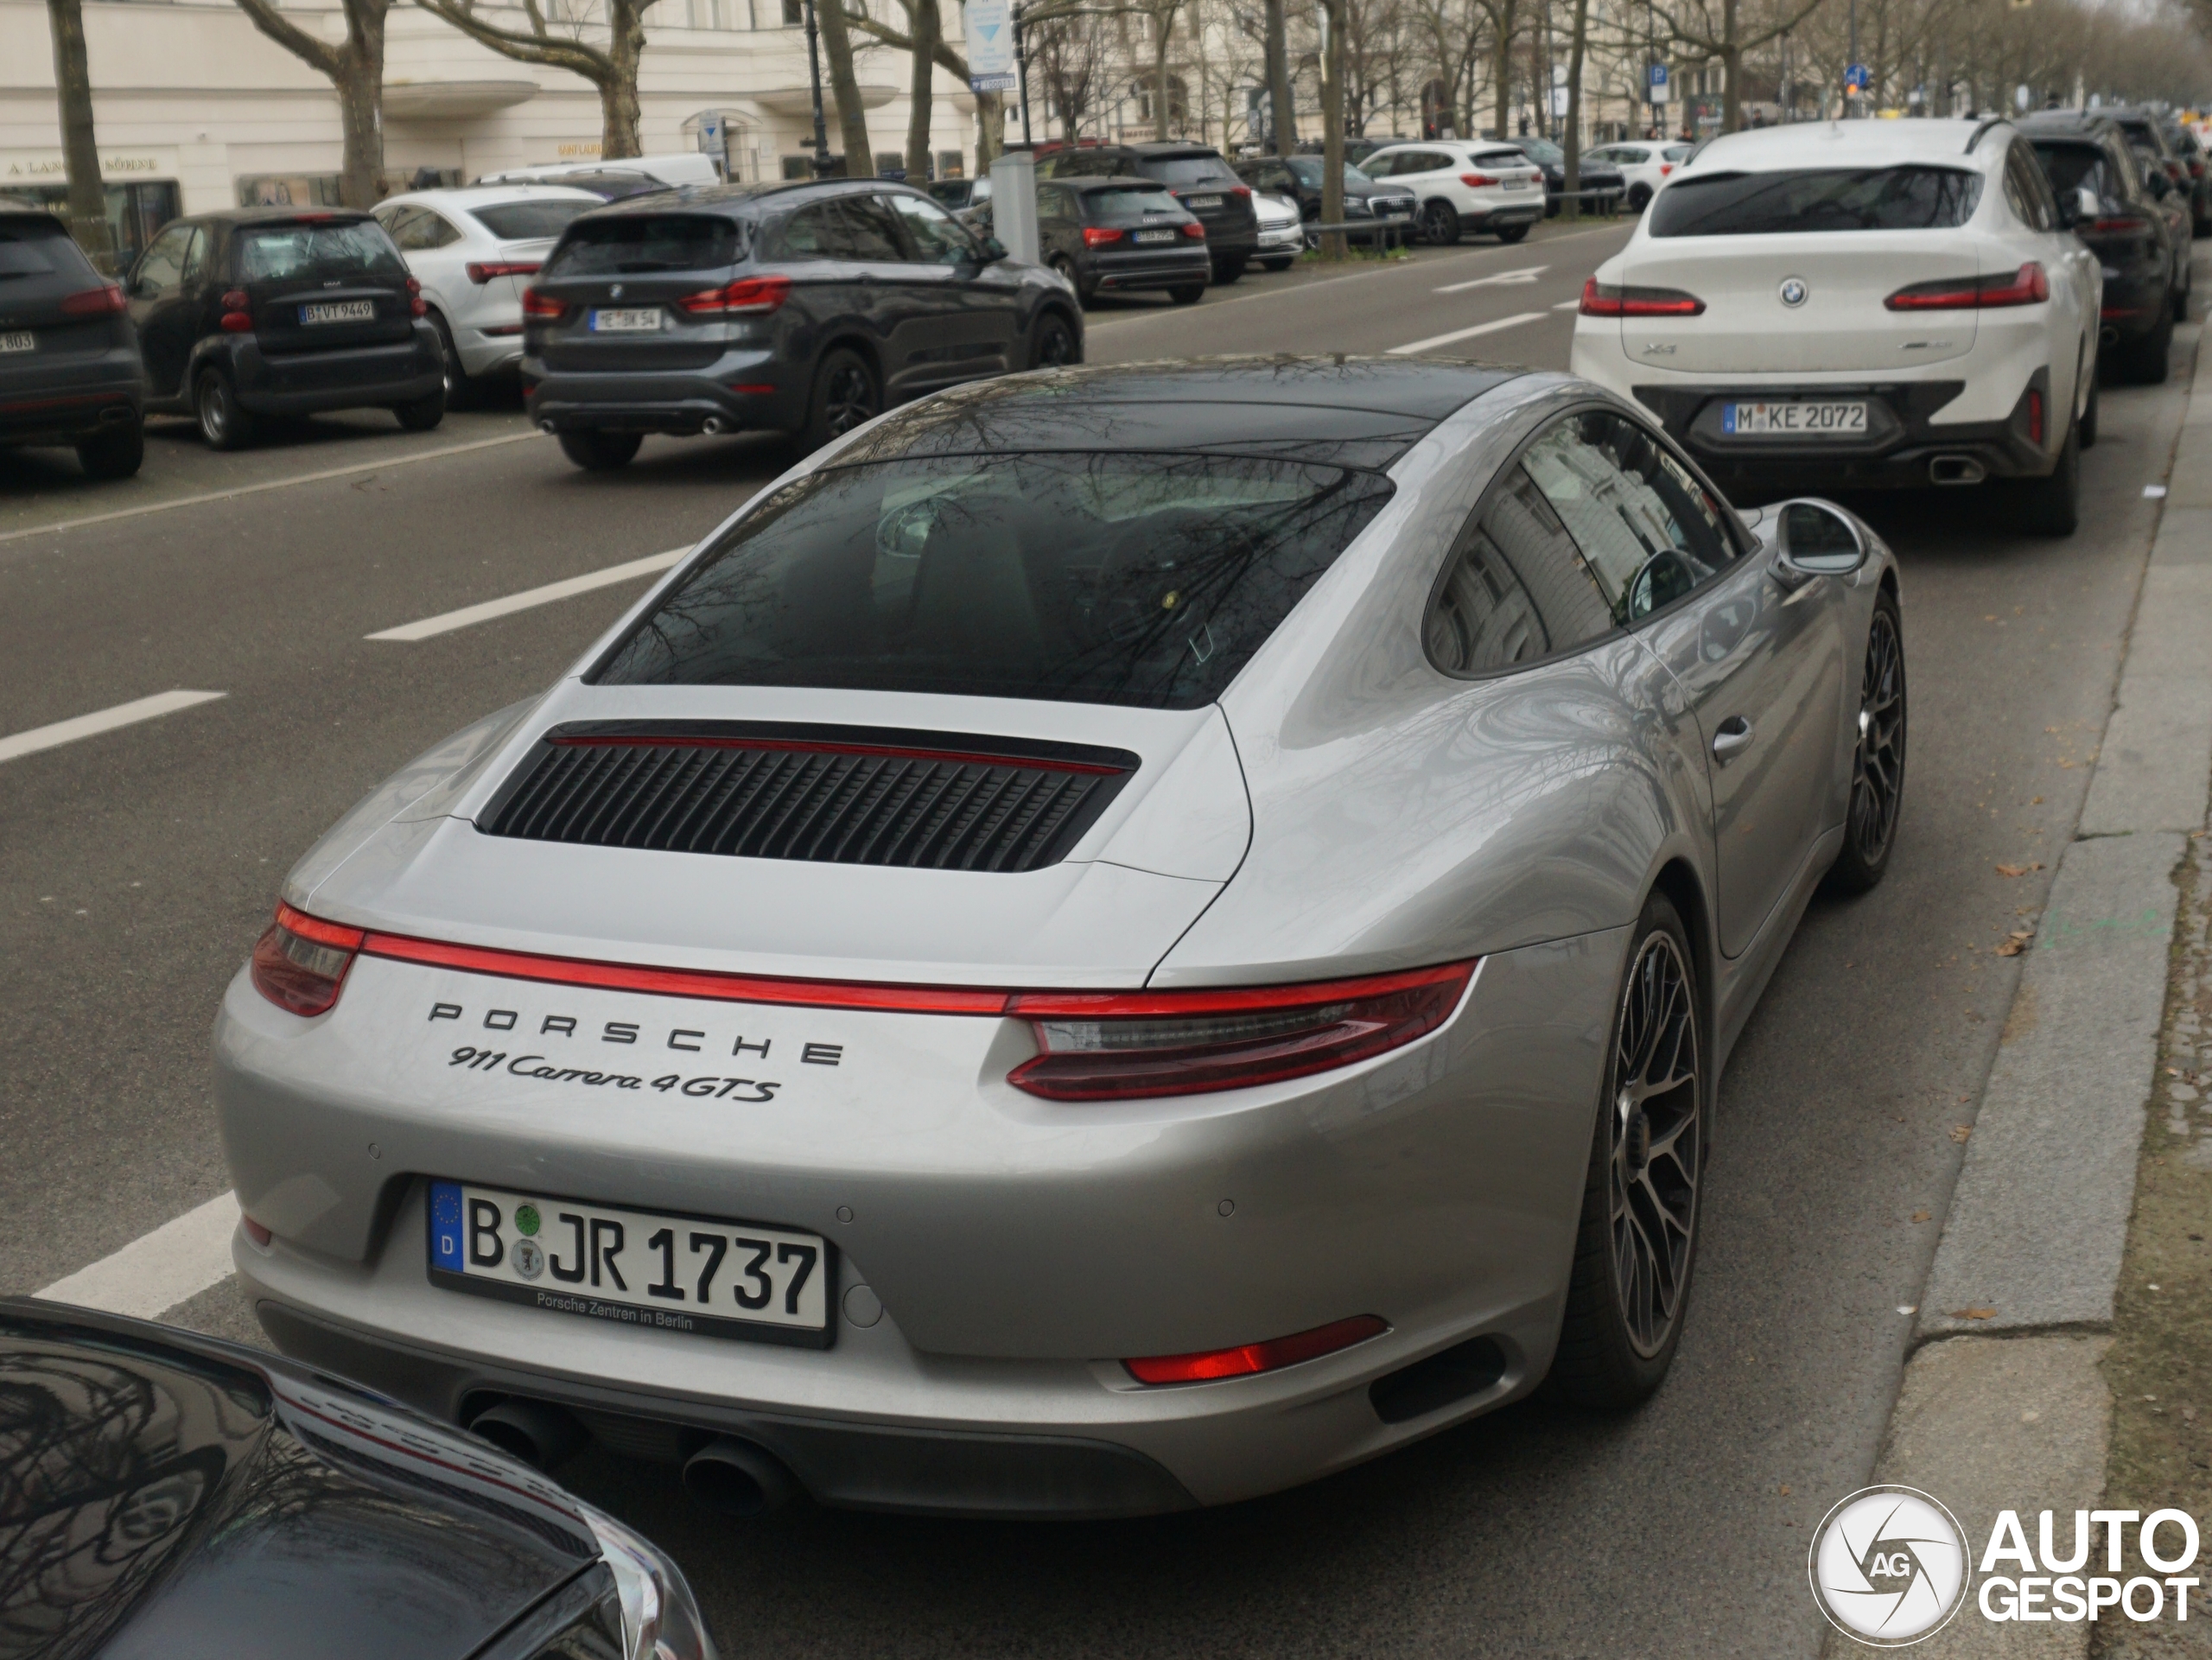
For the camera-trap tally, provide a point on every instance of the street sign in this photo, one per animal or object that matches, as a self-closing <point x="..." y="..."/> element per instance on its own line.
<point x="990" y="46"/>
<point x="1856" y="79"/>
<point x="1654" y="74"/>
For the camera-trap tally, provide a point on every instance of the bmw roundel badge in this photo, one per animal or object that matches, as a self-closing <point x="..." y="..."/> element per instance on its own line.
<point x="1794" y="291"/>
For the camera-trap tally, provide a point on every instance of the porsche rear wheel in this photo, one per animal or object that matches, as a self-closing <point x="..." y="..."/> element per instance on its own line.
<point x="1637" y="1238"/>
<point x="1870" y="825"/>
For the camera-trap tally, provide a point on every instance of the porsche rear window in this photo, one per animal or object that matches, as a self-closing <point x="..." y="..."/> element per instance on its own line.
<point x="1140" y="579"/>
<point x="1816" y="198"/>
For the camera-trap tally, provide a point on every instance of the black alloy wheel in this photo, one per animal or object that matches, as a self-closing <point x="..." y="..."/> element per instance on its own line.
<point x="113" y="452"/>
<point x="1870" y="825"/>
<point x="459" y="389"/>
<point x="1439" y="224"/>
<point x="423" y="413"/>
<point x="1513" y="233"/>
<point x="215" y="405"/>
<point x="1084" y="294"/>
<point x="845" y="396"/>
<point x="1637" y="1240"/>
<point x="602" y="452"/>
<point x="1639" y="198"/>
<point x="1052" y="343"/>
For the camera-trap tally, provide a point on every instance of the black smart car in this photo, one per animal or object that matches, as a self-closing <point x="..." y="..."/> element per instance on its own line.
<point x="282" y="311"/>
<point x="162" y="1493"/>
<point x="70" y="373"/>
<point x="1391" y="206"/>
<point x="802" y="307"/>
<point x="1122" y="236"/>
<point x="1194" y="174"/>
<point x="1602" y="183"/>
<point x="2145" y="292"/>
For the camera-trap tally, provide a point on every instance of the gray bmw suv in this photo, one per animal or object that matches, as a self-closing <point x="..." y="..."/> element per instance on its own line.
<point x="802" y="308"/>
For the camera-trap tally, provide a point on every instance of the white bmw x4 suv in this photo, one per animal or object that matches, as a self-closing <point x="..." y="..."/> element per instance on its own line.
<point x="1848" y="305"/>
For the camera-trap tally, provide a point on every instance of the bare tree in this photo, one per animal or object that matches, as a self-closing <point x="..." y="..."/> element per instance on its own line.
<point x="1576" y="47"/>
<point x="1282" y="111"/>
<point x="1336" y="14"/>
<point x="355" y="68"/>
<point x="612" y="67"/>
<point x="73" y="84"/>
<point x="926" y="29"/>
<point x="1726" y="41"/>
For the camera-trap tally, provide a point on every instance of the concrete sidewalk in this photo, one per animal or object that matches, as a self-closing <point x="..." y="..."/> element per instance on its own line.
<point x="2003" y="1405"/>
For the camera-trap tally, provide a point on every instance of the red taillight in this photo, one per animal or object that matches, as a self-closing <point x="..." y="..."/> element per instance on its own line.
<point x="1476" y="181"/>
<point x="1118" y="1046"/>
<point x="299" y="963"/>
<point x="753" y="388"/>
<point x="255" y="1232"/>
<point x="2024" y="287"/>
<point x="483" y="271"/>
<point x="1607" y="300"/>
<point x="2173" y="171"/>
<point x="2035" y="418"/>
<point x="104" y="301"/>
<point x="1240" y="190"/>
<point x="2110" y="312"/>
<point x="1665" y="168"/>
<point x="746" y="295"/>
<point x="236" y="319"/>
<point x="2119" y="225"/>
<point x="1099" y="236"/>
<point x="1246" y="1358"/>
<point x="415" y="304"/>
<point x="1194" y="229"/>
<point x="235" y="300"/>
<point x="535" y="304"/>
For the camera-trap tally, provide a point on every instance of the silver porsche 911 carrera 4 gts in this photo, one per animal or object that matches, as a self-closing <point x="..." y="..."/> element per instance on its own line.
<point x="1121" y="938"/>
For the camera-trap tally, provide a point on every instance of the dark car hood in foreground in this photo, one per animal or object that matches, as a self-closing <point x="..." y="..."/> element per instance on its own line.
<point x="163" y="1495"/>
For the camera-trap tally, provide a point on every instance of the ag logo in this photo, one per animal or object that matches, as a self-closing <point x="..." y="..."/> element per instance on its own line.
<point x="1889" y="1566"/>
<point x="1794" y="291"/>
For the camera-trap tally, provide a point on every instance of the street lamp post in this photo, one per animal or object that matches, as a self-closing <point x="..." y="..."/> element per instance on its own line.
<point x="1021" y="69"/>
<point x="814" y="77"/>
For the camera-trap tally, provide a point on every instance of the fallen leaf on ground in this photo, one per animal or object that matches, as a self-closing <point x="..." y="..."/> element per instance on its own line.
<point x="2019" y="870"/>
<point x="1973" y="1314"/>
<point x="1920" y="1216"/>
<point x="1959" y="1132"/>
<point x="1785" y="1492"/>
<point x="2035" y="801"/>
<point x="2016" y="942"/>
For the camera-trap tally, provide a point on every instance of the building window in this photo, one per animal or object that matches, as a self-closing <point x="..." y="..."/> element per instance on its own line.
<point x="135" y="212"/>
<point x="794" y="13"/>
<point x="289" y="190"/>
<point x="948" y="164"/>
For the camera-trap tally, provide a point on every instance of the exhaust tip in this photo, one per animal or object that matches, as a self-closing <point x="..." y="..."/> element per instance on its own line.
<point x="714" y="426"/>
<point x="738" y="1479"/>
<point x="1956" y="469"/>
<point x="542" y="1436"/>
<point x="546" y="427"/>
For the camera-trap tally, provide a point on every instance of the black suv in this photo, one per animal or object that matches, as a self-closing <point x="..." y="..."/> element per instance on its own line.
<point x="1301" y="178"/>
<point x="1194" y="174"/>
<point x="2189" y="150"/>
<point x="801" y="308"/>
<point x="69" y="368"/>
<point x="1121" y="235"/>
<point x="282" y="311"/>
<point x="2134" y="238"/>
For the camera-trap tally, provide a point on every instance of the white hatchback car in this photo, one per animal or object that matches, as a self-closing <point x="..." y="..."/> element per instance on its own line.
<point x="1282" y="230"/>
<point x="1849" y="305"/>
<point x="1464" y="187"/>
<point x="473" y="252"/>
<point x="1644" y="164"/>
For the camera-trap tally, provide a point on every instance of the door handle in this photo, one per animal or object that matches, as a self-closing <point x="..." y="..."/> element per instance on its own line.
<point x="1731" y="740"/>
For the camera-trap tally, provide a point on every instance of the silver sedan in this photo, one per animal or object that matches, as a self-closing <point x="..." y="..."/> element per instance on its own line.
<point x="1117" y="939"/>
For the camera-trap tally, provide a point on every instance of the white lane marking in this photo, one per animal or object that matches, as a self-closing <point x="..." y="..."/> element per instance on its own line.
<point x="157" y="1271"/>
<point x="1514" y="322"/>
<point x="86" y="726"/>
<point x="1501" y="279"/>
<point x="469" y="615"/>
<point x="1574" y="304"/>
<point x="256" y="489"/>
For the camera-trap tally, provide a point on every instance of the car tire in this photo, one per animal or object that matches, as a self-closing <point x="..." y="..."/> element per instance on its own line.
<point x="1188" y="294"/>
<point x="1053" y="343"/>
<point x="2051" y="505"/>
<point x="1276" y="265"/>
<point x="1084" y="294"/>
<point x="1439" y="224"/>
<point x="1512" y="232"/>
<point x="423" y="414"/>
<point x="602" y="452"/>
<point x="2143" y="362"/>
<point x="114" y="452"/>
<point x="1877" y="764"/>
<point x="1226" y="271"/>
<point x="1639" y="198"/>
<point x="845" y="395"/>
<point x="223" y="424"/>
<point x="2181" y="294"/>
<point x="2089" y="412"/>
<point x="459" y="389"/>
<point x="1636" y="1245"/>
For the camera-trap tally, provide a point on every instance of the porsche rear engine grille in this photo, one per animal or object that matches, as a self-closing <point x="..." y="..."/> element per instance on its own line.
<point x="931" y="801"/>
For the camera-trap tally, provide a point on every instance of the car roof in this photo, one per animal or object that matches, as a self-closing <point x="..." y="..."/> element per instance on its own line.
<point x="1822" y="143"/>
<point x="2066" y="123"/>
<point x="1087" y="183"/>
<point x="732" y="199"/>
<point x="1348" y="411"/>
<point x="488" y="196"/>
<point x="310" y="215"/>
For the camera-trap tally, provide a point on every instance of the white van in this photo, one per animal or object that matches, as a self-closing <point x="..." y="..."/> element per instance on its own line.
<point x="684" y="166"/>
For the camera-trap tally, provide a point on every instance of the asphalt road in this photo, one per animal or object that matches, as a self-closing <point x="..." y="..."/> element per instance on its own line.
<point x="137" y="866"/>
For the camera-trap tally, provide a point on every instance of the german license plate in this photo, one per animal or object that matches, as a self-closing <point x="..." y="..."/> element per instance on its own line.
<point x="1154" y="236"/>
<point x="1793" y="419"/>
<point x="627" y="320"/>
<point x="23" y="341"/>
<point x="1518" y="184"/>
<point x="340" y="311"/>
<point x="633" y="1267"/>
<point x="1206" y="202"/>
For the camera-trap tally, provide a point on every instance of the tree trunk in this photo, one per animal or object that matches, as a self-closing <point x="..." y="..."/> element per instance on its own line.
<point x="1505" y="61"/>
<point x="1332" y="128"/>
<point x="1731" y="70"/>
<point x="852" y="119"/>
<point x="618" y="93"/>
<point x="1162" y="21"/>
<point x="74" y="87"/>
<point x="1282" y="113"/>
<point x="924" y="22"/>
<point x="1572" y="205"/>
<point x="361" y="99"/>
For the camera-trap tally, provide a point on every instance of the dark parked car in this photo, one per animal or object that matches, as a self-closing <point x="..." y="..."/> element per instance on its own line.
<point x="1598" y="176"/>
<point x="1301" y="177"/>
<point x="2145" y="132"/>
<point x="804" y="307"/>
<point x="69" y="368"/>
<point x="2189" y="150"/>
<point x="1122" y="236"/>
<point x="282" y="311"/>
<point x="1196" y="175"/>
<point x="956" y="193"/>
<point x="2145" y="265"/>
<point x="164" y="1494"/>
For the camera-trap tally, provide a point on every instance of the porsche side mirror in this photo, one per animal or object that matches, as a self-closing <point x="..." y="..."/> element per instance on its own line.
<point x="1813" y="539"/>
